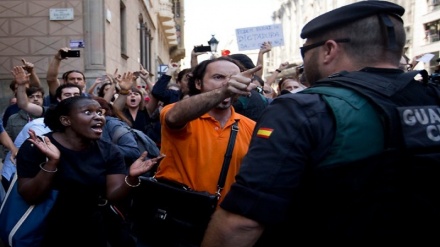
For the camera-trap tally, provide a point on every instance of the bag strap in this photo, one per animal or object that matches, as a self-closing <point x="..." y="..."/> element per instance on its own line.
<point x="228" y="156"/>
<point x="14" y="179"/>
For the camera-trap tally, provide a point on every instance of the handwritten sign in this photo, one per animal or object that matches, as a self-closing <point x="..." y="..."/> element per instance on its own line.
<point x="251" y="38"/>
<point x="426" y="58"/>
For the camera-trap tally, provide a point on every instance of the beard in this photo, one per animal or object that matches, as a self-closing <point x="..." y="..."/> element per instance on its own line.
<point x="311" y="69"/>
<point x="224" y="105"/>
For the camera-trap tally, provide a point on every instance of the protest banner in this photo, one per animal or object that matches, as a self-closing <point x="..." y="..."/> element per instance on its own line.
<point x="251" y="38"/>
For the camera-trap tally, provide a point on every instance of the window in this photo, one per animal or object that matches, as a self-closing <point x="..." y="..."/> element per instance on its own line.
<point x="145" y="45"/>
<point x="433" y="5"/>
<point x="123" y="31"/>
<point x="176" y="9"/>
<point x="432" y="31"/>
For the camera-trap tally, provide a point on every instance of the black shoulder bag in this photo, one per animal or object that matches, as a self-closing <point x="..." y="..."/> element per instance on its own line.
<point x="164" y="209"/>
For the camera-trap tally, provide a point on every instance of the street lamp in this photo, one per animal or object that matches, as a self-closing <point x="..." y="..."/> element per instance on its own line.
<point x="213" y="43"/>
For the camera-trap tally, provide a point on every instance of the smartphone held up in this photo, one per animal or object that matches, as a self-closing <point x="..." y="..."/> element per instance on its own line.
<point x="202" y="48"/>
<point x="70" y="53"/>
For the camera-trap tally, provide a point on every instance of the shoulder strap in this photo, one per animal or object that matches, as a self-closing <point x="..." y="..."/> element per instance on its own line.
<point x="228" y="156"/>
<point x="365" y="80"/>
<point x="383" y="93"/>
<point x="8" y="192"/>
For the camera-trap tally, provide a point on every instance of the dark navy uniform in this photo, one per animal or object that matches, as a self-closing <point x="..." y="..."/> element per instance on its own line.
<point x="309" y="174"/>
<point x="353" y="160"/>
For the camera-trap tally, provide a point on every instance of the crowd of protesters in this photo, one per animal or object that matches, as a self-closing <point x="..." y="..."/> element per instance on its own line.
<point x="319" y="155"/>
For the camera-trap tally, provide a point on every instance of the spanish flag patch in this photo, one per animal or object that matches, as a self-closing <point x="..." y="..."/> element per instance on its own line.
<point x="264" y="132"/>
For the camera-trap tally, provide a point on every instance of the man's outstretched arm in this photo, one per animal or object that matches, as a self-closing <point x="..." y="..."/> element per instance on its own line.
<point x="231" y="230"/>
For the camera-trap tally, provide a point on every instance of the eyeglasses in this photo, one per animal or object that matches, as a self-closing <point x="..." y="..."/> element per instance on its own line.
<point x="314" y="45"/>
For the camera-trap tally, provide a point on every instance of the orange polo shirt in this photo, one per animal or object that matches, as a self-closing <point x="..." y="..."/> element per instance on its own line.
<point x="195" y="153"/>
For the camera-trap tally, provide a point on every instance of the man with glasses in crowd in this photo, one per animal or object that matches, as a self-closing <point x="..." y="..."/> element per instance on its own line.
<point x="72" y="76"/>
<point x="352" y="160"/>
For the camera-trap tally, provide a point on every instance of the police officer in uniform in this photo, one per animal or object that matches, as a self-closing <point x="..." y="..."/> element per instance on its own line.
<point x="352" y="160"/>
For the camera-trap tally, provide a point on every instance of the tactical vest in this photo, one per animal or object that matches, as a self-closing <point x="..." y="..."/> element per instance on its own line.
<point x="359" y="130"/>
<point x="381" y="178"/>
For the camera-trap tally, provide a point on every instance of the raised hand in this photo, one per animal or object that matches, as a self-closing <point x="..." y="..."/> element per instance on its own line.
<point x="100" y="80"/>
<point x="141" y="165"/>
<point x="116" y="76"/>
<point x="60" y="51"/>
<point x="28" y="66"/>
<point x="45" y="146"/>
<point x="266" y="47"/>
<point x="241" y="83"/>
<point x="126" y="81"/>
<point x="144" y="74"/>
<point x="21" y="77"/>
<point x="172" y="68"/>
<point x="283" y="66"/>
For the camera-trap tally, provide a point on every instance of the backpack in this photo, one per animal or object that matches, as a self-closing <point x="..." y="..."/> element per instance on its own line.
<point x="144" y="142"/>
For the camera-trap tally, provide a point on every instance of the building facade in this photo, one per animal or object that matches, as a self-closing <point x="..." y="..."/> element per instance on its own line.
<point x="110" y="34"/>
<point x="425" y="36"/>
<point x="421" y="18"/>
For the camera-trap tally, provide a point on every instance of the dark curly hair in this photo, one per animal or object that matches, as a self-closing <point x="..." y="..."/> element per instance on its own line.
<point x="199" y="72"/>
<point x="112" y="111"/>
<point x="67" y="73"/>
<point x="59" y="90"/>
<point x="63" y="108"/>
<point x="101" y="92"/>
<point x="31" y="90"/>
<point x="182" y="73"/>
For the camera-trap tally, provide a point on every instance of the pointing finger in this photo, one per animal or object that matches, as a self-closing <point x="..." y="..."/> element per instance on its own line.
<point x="250" y="72"/>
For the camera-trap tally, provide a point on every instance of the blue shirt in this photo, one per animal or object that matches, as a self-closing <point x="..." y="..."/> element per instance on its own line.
<point x="127" y="143"/>
<point x="1" y="126"/>
<point x="11" y="109"/>
<point x="161" y="92"/>
<point x="36" y="125"/>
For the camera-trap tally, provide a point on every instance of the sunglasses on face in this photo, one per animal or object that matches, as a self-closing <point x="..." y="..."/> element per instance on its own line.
<point x="317" y="44"/>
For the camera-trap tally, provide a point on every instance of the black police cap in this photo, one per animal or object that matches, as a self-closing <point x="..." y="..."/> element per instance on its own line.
<point x="350" y="13"/>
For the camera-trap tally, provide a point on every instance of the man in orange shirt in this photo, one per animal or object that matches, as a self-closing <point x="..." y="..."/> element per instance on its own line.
<point x="196" y="130"/>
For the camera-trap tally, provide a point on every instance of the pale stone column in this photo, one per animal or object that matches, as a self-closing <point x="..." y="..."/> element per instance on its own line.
<point x="94" y="34"/>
